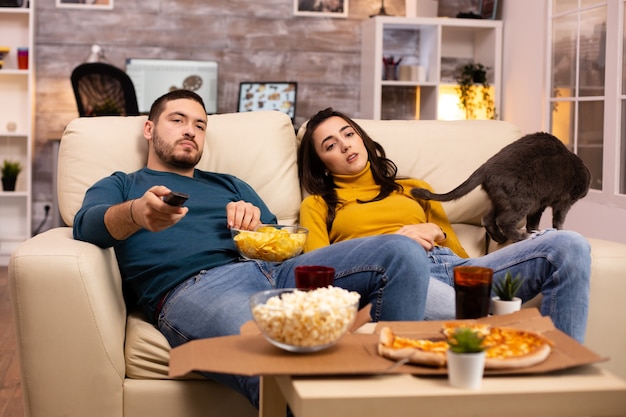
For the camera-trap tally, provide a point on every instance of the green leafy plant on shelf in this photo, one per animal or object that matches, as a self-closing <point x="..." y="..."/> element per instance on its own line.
<point x="11" y="169"/>
<point x="471" y="81"/>
<point x="507" y="288"/>
<point x="466" y="340"/>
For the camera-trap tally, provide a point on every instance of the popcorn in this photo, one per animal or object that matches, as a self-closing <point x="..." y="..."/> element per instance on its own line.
<point x="307" y="318"/>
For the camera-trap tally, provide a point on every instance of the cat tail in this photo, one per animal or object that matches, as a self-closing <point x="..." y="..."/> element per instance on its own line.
<point x="468" y="185"/>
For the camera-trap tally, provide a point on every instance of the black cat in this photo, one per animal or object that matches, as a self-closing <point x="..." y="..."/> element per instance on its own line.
<point x="521" y="180"/>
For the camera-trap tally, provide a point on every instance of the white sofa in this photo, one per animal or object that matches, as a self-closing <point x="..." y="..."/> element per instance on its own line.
<point x="82" y="354"/>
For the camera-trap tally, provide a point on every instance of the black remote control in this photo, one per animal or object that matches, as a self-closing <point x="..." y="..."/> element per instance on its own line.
<point x="175" y="198"/>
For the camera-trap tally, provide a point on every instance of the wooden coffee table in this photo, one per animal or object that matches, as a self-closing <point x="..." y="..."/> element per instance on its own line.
<point x="584" y="391"/>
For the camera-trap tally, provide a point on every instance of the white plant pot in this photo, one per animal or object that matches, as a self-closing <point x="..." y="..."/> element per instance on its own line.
<point x="500" y="307"/>
<point x="465" y="370"/>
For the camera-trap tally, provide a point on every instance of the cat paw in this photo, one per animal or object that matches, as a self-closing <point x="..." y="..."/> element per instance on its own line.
<point x="517" y="236"/>
<point x="497" y="237"/>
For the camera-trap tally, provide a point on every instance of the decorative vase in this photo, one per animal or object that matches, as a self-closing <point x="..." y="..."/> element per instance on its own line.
<point x="8" y="183"/>
<point x="500" y="307"/>
<point x="465" y="370"/>
<point x="391" y="72"/>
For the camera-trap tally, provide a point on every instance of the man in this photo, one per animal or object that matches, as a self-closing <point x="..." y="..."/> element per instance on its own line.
<point x="181" y="263"/>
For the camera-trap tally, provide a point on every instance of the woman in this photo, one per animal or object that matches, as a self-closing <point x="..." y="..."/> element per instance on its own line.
<point x="355" y="193"/>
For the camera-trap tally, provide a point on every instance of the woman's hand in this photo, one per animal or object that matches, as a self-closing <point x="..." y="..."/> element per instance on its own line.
<point x="426" y="234"/>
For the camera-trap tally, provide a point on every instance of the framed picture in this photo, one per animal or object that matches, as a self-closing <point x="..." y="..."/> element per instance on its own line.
<point x="267" y="95"/>
<point x="85" y="4"/>
<point x="321" y="8"/>
<point x="488" y="9"/>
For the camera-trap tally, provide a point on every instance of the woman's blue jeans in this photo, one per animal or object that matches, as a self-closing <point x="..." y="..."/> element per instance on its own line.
<point x="556" y="264"/>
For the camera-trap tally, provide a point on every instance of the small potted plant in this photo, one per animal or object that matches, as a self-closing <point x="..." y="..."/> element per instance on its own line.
<point x="466" y="358"/>
<point x="10" y="171"/>
<point x="472" y="79"/>
<point x="505" y="301"/>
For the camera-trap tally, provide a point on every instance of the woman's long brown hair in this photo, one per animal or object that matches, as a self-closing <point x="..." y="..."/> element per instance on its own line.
<point x="314" y="176"/>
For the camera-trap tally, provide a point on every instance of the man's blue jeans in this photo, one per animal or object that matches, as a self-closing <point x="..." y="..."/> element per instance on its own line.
<point x="390" y="272"/>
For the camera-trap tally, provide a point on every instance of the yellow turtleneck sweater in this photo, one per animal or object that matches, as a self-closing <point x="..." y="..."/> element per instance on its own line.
<point x="355" y="219"/>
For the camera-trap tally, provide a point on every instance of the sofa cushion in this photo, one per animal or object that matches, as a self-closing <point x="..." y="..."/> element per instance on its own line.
<point x="92" y="148"/>
<point x="146" y="350"/>
<point x="261" y="150"/>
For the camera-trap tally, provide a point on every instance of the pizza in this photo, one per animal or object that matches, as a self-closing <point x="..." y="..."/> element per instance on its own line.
<point x="506" y="348"/>
<point x="418" y="351"/>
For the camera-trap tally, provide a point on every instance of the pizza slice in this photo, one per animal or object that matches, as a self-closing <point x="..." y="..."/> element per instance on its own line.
<point x="417" y="351"/>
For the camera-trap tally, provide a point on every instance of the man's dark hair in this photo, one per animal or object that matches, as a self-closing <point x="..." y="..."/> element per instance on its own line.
<point x="159" y="104"/>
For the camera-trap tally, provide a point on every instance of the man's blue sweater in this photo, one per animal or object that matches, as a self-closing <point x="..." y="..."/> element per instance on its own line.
<point x="153" y="263"/>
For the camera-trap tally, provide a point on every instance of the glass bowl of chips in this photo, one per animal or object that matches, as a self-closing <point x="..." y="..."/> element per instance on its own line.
<point x="304" y="321"/>
<point x="270" y="242"/>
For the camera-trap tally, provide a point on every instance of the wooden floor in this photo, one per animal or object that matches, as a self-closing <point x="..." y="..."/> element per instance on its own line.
<point x="10" y="390"/>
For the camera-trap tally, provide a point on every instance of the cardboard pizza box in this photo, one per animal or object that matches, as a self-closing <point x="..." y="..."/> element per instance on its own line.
<point x="356" y="353"/>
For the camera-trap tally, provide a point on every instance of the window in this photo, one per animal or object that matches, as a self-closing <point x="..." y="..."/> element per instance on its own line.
<point x="587" y="80"/>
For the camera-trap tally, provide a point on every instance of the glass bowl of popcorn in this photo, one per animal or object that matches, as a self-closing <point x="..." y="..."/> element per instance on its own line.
<point x="270" y="242"/>
<point x="304" y="321"/>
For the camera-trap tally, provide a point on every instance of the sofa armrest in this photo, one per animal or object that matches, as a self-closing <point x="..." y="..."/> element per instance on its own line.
<point x="607" y="309"/>
<point x="70" y="322"/>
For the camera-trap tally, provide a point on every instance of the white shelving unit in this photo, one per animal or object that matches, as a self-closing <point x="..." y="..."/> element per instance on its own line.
<point x="439" y="45"/>
<point x="16" y="125"/>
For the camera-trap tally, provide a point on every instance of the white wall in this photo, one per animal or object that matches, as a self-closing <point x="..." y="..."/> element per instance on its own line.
<point x="523" y="104"/>
<point x="524" y="55"/>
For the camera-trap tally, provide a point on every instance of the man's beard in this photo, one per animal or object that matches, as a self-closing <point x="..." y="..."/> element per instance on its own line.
<point x="166" y="154"/>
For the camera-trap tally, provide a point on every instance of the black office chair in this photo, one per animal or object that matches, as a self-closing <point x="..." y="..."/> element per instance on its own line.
<point x="103" y="90"/>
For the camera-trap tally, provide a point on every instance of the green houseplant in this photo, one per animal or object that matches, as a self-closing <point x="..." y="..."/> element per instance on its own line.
<point x="10" y="171"/>
<point x="472" y="80"/>
<point x="466" y="358"/>
<point x="508" y="287"/>
<point x="505" y="301"/>
<point x="466" y="340"/>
